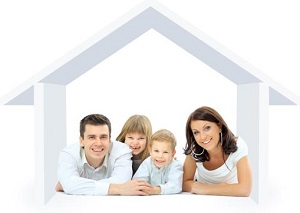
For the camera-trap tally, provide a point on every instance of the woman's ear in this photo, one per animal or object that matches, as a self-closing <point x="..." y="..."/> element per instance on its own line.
<point x="220" y="126"/>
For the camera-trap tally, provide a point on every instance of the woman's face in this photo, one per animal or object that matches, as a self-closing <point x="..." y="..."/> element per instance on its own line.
<point x="206" y="133"/>
<point x="136" y="141"/>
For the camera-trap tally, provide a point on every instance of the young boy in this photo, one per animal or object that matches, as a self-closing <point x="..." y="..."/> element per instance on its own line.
<point x="160" y="169"/>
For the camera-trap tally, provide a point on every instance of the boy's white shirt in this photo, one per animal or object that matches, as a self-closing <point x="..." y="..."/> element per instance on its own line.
<point x="169" y="177"/>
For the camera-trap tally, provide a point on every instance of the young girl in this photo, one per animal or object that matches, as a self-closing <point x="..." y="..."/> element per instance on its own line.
<point x="136" y="133"/>
<point x="216" y="161"/>
<point x="161" y="170"/>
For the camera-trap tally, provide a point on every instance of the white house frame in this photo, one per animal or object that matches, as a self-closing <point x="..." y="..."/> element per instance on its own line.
<point x="47" y="90"/>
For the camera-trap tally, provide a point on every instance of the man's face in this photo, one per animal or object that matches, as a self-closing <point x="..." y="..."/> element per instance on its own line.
<point x="96" y="141"/>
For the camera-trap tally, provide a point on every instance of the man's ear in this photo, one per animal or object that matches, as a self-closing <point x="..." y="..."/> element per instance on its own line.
<point x="81" y="141"/>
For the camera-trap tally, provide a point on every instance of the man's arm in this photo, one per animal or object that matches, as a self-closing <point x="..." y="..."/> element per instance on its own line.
<point x="69" y="177"/>
<point x="59" y="187"/>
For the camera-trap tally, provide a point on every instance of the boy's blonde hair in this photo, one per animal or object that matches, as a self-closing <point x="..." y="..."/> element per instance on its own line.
<point x="163" y="135"/>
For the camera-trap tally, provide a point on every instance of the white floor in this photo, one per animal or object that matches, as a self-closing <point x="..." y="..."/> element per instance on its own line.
<point x="180" y="202"/>
<point x="158" y="203"/>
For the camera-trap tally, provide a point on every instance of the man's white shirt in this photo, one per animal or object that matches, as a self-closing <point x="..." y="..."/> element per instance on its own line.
<point x="78" y="177"/>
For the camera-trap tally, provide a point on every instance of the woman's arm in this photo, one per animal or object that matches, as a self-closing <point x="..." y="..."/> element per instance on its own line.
<point x="189" y="170"/>
<point x="242" y="188"/>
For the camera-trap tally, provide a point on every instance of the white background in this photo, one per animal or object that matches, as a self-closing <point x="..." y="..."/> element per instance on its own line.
<point x="150" y="76"/>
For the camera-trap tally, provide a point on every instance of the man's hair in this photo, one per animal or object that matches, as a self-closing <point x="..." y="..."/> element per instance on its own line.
<point x="96" y="120"/>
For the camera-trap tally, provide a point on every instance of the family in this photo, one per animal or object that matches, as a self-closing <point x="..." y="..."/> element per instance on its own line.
<point x="140" y="162"/>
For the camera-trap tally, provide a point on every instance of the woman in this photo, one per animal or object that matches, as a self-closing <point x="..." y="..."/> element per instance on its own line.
<point x="136" y="133"/>
<point x="216" y="160"/>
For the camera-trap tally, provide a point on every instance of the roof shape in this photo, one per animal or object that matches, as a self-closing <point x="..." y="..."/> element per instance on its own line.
<point x="149" y="15"/>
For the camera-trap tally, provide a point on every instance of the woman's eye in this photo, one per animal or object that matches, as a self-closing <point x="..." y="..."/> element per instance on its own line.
<point x="207" y="128"/>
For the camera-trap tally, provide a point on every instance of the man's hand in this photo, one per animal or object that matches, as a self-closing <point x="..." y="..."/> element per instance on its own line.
<point x="58" y="187"/>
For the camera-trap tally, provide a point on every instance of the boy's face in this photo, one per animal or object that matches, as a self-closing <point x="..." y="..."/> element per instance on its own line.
<point x="96" y="141"/>
<point x="161" y="153"/>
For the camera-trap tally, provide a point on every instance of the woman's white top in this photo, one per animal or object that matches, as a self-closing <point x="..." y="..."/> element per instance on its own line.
<point x="223" y="174"/>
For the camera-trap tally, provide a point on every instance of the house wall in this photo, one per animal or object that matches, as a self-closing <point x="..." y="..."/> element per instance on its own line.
<point x="164" y="83"/>
<point x="271" y="50"/>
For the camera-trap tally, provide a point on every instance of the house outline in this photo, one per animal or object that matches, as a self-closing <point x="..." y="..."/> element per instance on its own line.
<point x="255" y="91"/>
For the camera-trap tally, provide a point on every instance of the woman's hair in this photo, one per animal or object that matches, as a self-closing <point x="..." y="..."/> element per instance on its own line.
<point x="96" y="120"/>
<point x="137" y="124"/>
<point x="163" y="135"/>
<point x="208" y="114"/>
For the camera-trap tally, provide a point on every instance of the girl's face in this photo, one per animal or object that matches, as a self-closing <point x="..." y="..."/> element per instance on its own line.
<point x="206" y="134"/>
<point x="136" y="142"/>
<point x="161" y="153"/>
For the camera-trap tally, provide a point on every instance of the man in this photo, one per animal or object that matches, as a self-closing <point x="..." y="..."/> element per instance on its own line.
<point x="97" y="166"/>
